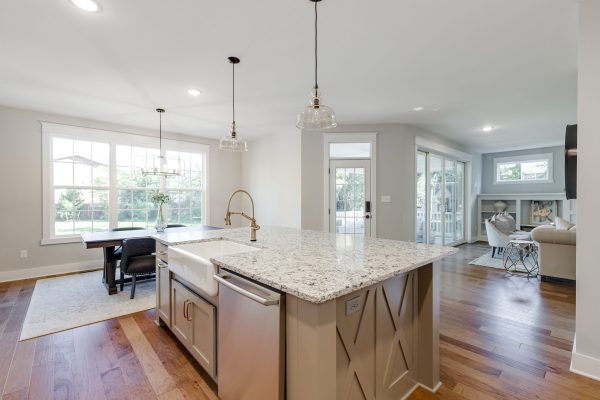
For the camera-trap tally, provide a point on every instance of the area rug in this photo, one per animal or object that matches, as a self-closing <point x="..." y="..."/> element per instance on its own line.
<point x="66" y="302"/>
<point x="497" y="262"/>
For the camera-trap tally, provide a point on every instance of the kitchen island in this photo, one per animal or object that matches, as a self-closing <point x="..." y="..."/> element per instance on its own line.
<point x="360" y="317"/>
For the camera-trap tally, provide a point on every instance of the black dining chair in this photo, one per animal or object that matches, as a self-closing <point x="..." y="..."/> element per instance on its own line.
<point x="176" y="226"/>
<point x="137" y="259"/>
<point x="119" y="250"/>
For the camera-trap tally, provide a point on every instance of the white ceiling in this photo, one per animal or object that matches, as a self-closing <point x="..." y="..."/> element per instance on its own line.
<point x="508" y="63"/>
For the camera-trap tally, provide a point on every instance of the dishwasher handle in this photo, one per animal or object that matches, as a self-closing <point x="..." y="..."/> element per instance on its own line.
<point x="224" y="280"/>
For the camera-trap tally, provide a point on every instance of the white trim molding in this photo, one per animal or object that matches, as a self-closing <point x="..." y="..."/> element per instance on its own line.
<point x="584" y="365"/>
<point x="48" y="270"/>
<point x="435" y="147"/>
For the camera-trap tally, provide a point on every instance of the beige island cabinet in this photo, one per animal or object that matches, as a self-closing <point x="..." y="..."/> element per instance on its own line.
<point x="359" y="317"/>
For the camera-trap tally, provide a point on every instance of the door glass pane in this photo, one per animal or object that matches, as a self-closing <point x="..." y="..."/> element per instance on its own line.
<point x="449" y="201"/>
<point x="460" y="202"/>
<point x="421" y="197"/>
<point x="436" y="195"/>
<point x="350" y="200"/>
<point x="350" y="150"/>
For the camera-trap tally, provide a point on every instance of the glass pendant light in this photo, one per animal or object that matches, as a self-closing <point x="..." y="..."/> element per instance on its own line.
<point x="316" y="116"/>
<point x="161" y="165"/>
<point x="232" y="142"/>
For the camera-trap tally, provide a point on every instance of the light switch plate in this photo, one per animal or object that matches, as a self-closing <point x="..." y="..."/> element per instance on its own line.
<point x="352" y="305"/>
<point x="386" y="199"/>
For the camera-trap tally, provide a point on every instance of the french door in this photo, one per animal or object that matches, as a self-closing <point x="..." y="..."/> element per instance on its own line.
<point x="350" y="197"/>
<point x="440" y="217"/>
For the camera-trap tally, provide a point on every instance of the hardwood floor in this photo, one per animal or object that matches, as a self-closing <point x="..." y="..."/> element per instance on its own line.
<point x="501" y="338"/>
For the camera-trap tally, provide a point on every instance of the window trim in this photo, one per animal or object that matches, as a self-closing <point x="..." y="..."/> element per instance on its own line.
<point x="51" y="130"/>
<point x="529" y="157"/>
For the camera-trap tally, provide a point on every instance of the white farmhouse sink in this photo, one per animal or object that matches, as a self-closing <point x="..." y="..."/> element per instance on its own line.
<point x="192" y="262"/>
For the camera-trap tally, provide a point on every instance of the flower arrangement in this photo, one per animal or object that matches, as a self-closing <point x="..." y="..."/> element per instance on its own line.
<point x="160" y="198"/>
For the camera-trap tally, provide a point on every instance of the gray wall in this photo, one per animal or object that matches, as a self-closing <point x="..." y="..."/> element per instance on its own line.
<point x="395" y="177"/>
<point x="558" y="186"/>
<point x="21" y="179"/>
<point x="271" y="173"/>
<point x="476" y="174"/>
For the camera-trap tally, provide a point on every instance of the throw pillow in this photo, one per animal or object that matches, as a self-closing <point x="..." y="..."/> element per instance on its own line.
<point x="511" y="219"/>
<point x="562" y="224"/>
<point x="503" y="224"/>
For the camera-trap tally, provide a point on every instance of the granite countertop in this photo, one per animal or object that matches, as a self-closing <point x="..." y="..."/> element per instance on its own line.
<point x="313" y="265"/>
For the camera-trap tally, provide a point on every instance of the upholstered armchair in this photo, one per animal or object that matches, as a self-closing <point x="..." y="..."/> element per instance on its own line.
<point x="496" y="238"/>
<point x="499" y="238"/>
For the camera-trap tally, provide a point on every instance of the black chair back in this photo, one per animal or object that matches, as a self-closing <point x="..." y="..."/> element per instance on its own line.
<point x="136" y="250"/>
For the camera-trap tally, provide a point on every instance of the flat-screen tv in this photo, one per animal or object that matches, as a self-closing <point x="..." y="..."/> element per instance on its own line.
<point x="571" y="161"/>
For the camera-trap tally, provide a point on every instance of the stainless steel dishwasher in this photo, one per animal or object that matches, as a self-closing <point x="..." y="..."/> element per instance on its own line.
<point x="251" y="340"/>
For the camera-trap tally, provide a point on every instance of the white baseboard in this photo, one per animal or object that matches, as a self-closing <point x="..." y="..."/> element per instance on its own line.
<point x="27" y="273"/>
<point x="585" y="365"/>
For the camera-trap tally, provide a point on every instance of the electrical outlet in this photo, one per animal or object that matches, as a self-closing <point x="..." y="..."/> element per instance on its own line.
<point x="24" y="254"/>
<point x="353" y="305"/>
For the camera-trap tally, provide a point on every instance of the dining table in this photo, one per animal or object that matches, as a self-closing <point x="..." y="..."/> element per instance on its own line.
<point x="109" y="240"/>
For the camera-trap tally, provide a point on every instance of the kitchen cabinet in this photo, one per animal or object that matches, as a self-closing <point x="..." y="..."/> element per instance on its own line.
<point x="193" y="321"/>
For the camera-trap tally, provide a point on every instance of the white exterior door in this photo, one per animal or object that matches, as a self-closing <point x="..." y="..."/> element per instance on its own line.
<point x="350" y="197"/>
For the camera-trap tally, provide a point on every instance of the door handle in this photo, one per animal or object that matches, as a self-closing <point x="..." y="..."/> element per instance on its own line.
<point x="185" y="310"/>
<point x="367" y="216"/>
<point x="265" y="302"/>
<point x="189" y="318"/>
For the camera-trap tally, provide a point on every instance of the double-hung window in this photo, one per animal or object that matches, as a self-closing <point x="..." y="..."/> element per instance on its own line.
<point x="93" y="182"/>
<point x="534" y="168"/>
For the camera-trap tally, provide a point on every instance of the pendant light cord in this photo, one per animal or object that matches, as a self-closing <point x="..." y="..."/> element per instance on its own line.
<point x="233" y="89"/>
<point x="160" y="133"/>
<point x="316" y="46"/>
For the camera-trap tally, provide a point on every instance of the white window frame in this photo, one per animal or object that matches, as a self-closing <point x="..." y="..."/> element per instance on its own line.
<point x="525" y="158"/>
<point x="350" y="137"/>
<point x="51" y="130"/>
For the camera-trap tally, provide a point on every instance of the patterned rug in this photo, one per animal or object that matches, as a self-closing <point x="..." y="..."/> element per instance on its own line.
<point x="497" y="262"/>
<point x="66" y="302"/>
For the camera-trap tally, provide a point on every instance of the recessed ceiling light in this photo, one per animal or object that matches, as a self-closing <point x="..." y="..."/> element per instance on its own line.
<point x="193" y="92"/>
<point x="436" y="109"/>
<point x="87" y="5"/>
<point x="418" y="108"/>
<point x="487" y="128"/>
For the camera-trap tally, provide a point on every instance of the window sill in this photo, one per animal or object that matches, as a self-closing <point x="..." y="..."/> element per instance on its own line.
<point x="522" y="182"/>
<point x="62" y="240"/>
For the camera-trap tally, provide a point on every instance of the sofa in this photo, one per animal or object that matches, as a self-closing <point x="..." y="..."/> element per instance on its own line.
<point x="557" y="245"/>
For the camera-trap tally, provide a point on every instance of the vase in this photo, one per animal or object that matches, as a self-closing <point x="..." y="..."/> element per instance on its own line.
<point x="161" y="223"/>
<point x="500" y="206"/>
